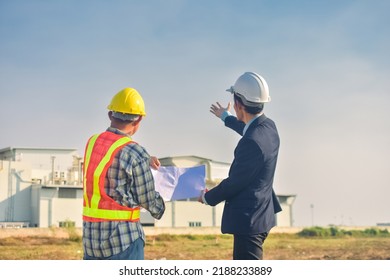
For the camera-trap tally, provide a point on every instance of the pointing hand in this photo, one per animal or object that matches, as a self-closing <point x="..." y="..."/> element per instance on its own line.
<point x="217" y="109"/>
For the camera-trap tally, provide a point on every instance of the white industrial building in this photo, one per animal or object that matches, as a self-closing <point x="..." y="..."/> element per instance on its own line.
<point x="41" y="187"/>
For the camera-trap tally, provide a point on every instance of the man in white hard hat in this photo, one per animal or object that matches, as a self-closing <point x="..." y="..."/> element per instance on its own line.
<point x="250" y="201"/>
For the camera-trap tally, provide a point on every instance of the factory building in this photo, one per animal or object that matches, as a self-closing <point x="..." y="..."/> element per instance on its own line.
<point x="42" y="187"/>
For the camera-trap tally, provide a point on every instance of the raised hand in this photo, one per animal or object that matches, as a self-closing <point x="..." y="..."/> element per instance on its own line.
<point x="217" y="109"/>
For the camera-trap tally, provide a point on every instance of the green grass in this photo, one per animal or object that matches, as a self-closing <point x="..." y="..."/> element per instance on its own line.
<point x="309" y="244"/>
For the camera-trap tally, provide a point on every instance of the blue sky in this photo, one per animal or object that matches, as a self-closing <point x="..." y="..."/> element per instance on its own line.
<point x="326" y="63"/>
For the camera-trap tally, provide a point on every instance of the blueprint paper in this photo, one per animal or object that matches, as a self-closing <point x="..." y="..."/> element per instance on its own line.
<point x="175" y="183"/>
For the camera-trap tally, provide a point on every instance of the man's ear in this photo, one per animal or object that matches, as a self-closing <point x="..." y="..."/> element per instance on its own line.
<point x="238" y="105"/>
<point x="136" y="122"/>
<point x="110" y="115"/>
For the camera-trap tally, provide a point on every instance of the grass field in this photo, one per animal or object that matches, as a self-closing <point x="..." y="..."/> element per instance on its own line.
<point x="320" y="244"/>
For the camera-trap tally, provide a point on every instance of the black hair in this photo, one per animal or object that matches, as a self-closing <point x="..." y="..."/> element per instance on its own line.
<point x="122" y="121"/>
<point x="249" y="109"/>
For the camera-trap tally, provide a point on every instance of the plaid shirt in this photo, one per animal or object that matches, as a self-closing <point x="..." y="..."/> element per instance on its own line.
<point x="129" y="182"/>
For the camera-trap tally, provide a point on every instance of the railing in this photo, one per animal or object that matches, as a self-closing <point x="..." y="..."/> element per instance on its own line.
<point x="14" y="224"/>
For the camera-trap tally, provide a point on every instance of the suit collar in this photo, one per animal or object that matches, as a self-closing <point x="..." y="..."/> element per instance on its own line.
<point x="254" y="122"/>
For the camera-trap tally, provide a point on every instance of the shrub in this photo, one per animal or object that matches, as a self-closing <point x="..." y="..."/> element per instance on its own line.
<point x="334" y="231"/>
<point x="315" y="232"/>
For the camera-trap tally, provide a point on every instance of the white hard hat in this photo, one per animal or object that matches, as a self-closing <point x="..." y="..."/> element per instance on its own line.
<point x="252" y="88"/>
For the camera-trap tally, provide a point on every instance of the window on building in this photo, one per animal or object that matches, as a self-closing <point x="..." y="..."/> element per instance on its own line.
<point x="36" y="181"/>
<point x="195" y="224"/>
<point x="67" y="193"/>
<point x="67" y="224"/>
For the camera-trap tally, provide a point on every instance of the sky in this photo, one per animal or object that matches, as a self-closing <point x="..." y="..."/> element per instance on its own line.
<point x="326" y="64"/>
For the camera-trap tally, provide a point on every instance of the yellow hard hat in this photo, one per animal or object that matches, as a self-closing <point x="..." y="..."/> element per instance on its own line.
<point x="128" y="101"/>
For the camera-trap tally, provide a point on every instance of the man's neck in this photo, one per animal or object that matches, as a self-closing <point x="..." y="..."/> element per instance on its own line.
<point x="246" y="118"/>
<point x="126" y="129"/>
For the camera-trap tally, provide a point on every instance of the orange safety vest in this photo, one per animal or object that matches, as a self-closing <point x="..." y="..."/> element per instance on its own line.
<point x="99" y="154"/>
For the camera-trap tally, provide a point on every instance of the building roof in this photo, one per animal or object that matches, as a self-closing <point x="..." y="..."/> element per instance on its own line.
<point x="195" y="157"/>
<point x="61" y="186"/>
<point x="35" y="149"/>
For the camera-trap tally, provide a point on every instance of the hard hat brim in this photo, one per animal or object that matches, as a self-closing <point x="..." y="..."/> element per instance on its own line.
<point x="231" y="90"/>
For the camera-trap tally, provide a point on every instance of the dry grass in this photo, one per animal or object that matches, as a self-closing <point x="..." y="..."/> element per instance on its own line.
<point x="279" y="247"/>
<point x="208" y="247"/>
<point x="39" y="248"/>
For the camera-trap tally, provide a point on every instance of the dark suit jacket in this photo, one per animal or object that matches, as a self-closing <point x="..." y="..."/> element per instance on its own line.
<point x="250" y="201"/>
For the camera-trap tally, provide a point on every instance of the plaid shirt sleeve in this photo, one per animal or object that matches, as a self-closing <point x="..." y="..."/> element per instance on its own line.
<point x="141" y="189"/>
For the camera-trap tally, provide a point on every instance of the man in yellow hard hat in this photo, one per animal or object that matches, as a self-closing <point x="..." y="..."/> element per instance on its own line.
<point x="117" y="182"/>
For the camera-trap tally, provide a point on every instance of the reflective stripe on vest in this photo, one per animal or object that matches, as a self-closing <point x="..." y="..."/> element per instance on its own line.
<point x="99" y="154"/>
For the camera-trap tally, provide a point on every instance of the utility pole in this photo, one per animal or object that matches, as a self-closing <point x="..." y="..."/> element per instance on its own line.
<point x="10" y="196"/>
<point x="52" y="169"/>
<point x="312" y="214"/>
<point x="79" y="171"/>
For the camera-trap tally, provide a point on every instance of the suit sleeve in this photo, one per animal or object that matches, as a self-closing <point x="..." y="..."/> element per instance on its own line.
<point x="241" y="174"/>
<point x="233" y="123"/>
<point x="275" y="201"/>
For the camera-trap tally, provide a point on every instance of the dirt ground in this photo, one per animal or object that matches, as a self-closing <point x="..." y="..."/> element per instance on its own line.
<point x="64" y="233"/>
<point x="187" y="244"/>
